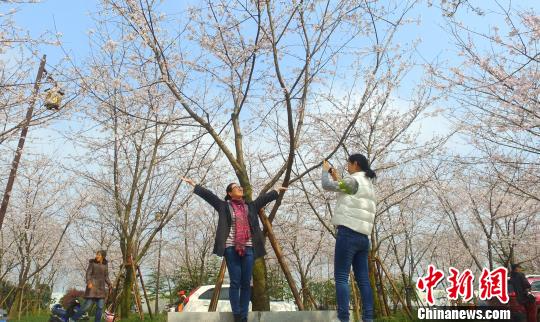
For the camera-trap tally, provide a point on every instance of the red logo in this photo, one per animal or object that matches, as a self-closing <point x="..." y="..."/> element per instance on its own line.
<point x="494" y="284"/>
<point x="460" y="284"/>
<point x="491" y="284"/>
<point x="434" y="277"/>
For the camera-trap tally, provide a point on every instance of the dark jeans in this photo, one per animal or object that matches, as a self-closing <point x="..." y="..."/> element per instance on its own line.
<point x="240" y="269"/>
<point x="352" y="249"/>
<point x="88" y="303"/>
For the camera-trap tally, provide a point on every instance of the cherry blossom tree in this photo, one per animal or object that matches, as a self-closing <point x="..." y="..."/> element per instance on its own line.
<point x="496" y="89"/>
<point x="139" y="139"/>
<point x="263" y="84"/>
<point x="37" y="223"/>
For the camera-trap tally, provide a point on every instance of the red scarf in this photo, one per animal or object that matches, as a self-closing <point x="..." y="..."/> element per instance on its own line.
<point x="241" y="225"/>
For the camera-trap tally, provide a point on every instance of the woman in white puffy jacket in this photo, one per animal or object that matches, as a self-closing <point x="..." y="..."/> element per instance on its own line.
<point x="354" y="216"/>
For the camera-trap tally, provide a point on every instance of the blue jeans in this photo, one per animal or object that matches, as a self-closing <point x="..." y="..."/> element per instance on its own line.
<point x="352" y="249"/>
<point x="240" y="270"/>
<point x="88" y="303"/>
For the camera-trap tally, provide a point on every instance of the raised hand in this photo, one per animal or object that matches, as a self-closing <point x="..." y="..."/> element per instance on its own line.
<point x="188" y="180"/>
<point x="280" y="189"/>
<point x="326" y="165"/>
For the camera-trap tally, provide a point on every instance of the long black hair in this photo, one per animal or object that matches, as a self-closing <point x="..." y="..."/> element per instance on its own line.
<point x="363" y="163"/>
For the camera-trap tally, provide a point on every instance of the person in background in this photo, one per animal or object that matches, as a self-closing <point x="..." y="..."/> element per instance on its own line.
<point x="97" y="276"/>
<point x="522" y="287"/>
<point x="181" y="301"/>
<point x="354" y="216"/>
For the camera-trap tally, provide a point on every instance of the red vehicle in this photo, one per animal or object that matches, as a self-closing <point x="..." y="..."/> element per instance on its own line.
<point x="519" y="312"/>
<point x="534" y="280"/>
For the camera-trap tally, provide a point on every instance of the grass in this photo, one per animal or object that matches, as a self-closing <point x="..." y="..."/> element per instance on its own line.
<point x="163" y="318"/>
<point x="133" y="318"/>
<point x="33" y="318"/>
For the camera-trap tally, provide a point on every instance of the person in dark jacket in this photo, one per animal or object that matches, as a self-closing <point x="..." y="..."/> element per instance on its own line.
<point x="522" y="287"/>
<point x="97" y="275"/>
<point x="239" y="238"/>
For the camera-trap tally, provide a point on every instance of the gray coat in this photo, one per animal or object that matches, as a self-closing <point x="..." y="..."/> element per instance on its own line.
<point x="98" y="275"/>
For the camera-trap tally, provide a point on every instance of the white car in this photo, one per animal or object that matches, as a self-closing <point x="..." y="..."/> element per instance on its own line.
<point x="199" y="301"/>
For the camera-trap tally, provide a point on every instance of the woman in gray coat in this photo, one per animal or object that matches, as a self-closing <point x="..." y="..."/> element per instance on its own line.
<point x="97" y="275"/>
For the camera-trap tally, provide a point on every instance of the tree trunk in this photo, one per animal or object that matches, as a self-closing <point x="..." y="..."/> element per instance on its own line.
<point x="16" y="306"/>
<point x="305" y="292"/>
<point x="261" y="301"/>
<point x="383" y="298"/>
<point x="126" y="298"/>
<point x="377" y="305"/>
<point x="409" y="293"/>
<point x="260" y="298"/>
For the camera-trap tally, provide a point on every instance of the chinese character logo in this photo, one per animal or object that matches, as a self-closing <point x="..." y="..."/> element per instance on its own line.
<point x="460" y="284"/>
<point x="429" y="282"/>
<point x="494" y="284"/>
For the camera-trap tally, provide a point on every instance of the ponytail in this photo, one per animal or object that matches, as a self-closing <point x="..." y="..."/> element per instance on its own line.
<point x="363" y="163"/>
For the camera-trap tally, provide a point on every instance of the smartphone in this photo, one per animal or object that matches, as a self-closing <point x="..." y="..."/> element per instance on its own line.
<point x="331" y="167"/>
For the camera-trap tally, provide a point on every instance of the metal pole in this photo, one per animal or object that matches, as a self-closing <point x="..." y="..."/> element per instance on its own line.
<point x="156" y="308"/>
<point x="22" y="139"/>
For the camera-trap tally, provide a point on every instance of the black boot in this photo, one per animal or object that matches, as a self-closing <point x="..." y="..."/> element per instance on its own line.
<point x="237" y="318"/>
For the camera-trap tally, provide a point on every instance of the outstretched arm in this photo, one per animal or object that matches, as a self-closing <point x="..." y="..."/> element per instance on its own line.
<point x="206" y="194"/>
<point x="267" y="198"/>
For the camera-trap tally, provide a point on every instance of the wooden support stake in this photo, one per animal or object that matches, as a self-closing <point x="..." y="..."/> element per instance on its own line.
<point x="311" y="299"/>
<point x="116" y="292"/>
<point x="137" y="302"/>
<point x="279" y="254"/>
<point x="395" y="289"/>
<point x="144" y="292"/>
<point x="217" y="288"/>
<point x="379" y="281"/>
<point x="136" y="290"/>
<point x="356" y="297"/>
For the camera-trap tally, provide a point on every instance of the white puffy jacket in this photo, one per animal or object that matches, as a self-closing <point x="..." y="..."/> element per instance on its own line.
<point x="357" y="211"/>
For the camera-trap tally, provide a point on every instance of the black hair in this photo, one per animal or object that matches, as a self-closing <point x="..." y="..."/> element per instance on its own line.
<point x="514" y="267"/>
<point x="103" y="253"/>
<point x="363" y="163"/>
<point x="229" y="189"/>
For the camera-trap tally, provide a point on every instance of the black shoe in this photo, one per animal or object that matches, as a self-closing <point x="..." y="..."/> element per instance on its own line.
<point x="237" y="318"/>
<point x="244" y="319"/>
